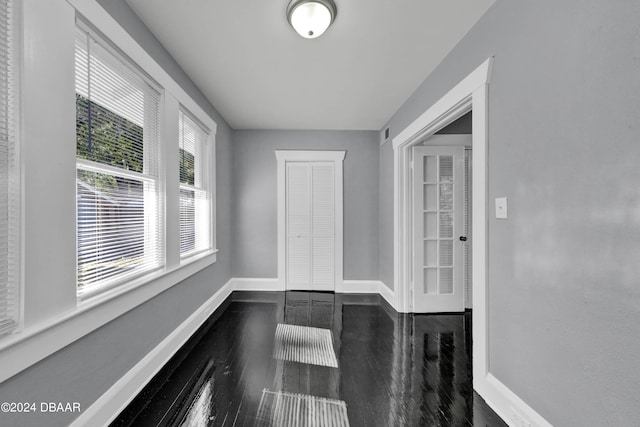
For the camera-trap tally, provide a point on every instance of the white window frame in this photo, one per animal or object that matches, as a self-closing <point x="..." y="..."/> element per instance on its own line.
<point x="151" y="175"/>
<point x="68" y="318"/>
<point x="15" y="224"/>
<point x="202" y="157"/>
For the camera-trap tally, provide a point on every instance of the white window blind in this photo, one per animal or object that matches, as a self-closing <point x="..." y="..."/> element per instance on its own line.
<point x="119" y="203"/>
<point x="195" y="201"/>
<point x="9" y="177"/>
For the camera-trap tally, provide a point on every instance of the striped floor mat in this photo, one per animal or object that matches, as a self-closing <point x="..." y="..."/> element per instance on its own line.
<point x="279" y="409"/>
<point x="304" y="344"/>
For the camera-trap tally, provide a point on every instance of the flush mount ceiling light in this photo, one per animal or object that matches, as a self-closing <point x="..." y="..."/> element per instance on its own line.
<point x="311" y="18"/>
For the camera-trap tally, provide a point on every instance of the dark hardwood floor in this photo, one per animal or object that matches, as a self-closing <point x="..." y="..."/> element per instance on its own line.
<point x="393" y="370"/>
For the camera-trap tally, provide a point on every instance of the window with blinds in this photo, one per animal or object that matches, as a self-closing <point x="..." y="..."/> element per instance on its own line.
<point x="195" y="201"/>
<point x="119" y="203"/>
<point x="9" y="177"/>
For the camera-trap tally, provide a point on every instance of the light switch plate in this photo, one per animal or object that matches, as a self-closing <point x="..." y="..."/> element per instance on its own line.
<point x="501" y="208"/>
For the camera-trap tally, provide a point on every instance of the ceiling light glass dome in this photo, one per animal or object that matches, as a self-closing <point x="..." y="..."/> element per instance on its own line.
<point x="311" y="18"/>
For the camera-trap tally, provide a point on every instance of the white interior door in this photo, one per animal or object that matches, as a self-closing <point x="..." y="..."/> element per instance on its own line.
<point x="310" y="226"/>
<point x="438" y="179"/>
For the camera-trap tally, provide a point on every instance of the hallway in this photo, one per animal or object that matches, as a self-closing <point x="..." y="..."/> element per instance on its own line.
<point x="241" y="368"/>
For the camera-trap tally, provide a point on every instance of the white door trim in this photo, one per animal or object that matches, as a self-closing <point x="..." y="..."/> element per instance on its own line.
<point x="284" y="156"/>
<point x="469" y="94"/>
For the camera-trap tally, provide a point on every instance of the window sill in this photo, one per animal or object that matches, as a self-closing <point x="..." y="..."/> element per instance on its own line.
<point x="100" y="297"/>
<point x="33" y="343"/>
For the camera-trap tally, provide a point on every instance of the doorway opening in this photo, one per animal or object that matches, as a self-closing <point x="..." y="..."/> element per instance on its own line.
<point x="470" y="94"/>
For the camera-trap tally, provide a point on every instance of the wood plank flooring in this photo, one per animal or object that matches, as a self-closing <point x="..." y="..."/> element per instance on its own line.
<point x="393" y="370"/>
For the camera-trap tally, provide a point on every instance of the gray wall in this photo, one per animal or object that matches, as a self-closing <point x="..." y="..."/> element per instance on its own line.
<point x="462" y="126"/>
<point x="564" y="127"/>
<point x="255" y="249"/>
<point x="385" y="218"/>
<point x="84" y="370"/>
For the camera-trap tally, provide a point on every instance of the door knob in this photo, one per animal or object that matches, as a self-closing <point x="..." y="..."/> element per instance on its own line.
<point x="463" y="238"/>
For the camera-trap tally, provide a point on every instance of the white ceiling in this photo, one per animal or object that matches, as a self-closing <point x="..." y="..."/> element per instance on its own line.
<point x="259" y="74"/>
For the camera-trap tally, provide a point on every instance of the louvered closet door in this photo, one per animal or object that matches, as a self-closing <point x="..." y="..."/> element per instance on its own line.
<point x="298" y="226"/>
<point x="322" y="227"/>
<point x="310" y="222"/>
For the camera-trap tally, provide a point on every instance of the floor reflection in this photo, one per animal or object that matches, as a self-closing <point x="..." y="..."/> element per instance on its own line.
<point x="393" y="370"/>
<point x="197" y="409"/>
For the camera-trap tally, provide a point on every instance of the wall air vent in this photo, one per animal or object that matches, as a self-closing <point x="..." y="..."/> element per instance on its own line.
<point x="384" y="135"/>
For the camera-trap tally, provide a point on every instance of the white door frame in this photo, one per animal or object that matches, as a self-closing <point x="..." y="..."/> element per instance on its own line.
<point x="470" y="94"/>
<point x="284" y="156"/>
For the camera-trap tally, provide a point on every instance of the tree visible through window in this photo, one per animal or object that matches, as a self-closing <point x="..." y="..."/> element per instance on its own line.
<point x="110" y="208"/>
<point x="118" y="203"/>
<point x="187" y="167"/>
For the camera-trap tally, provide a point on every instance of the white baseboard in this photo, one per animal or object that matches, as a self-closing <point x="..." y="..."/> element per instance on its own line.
<point x="511" y="408"/>
<point x="114" y="400"/>
<point x="359" y="287"/>
<point x="346" y="287"/>
<point x="389" y="296"/>
<point x="266" y="284"/>
<point x="252" y="284"/>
